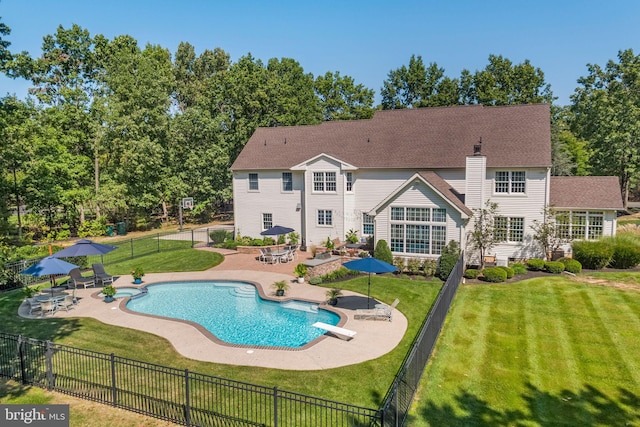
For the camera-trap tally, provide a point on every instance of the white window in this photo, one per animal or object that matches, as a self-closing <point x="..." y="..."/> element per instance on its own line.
<point x="349" y="181"/>
<point x="325" y="217"/>
<point x="414" y="230"/>
<point x="267" y="221"/>
<point x="287" y="181"/>
<point x="253" y="182"/>
<point x="324" y="182"/>
<point x="577" y="225"/>
<point x="367" y="225"/>
<point x="509" y="229"/>
<point x="510" y="182"/>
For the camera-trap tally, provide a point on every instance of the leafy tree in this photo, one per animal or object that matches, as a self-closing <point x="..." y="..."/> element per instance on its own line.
<point x="341" y="99"/>
<point x="502" y="83"/>
<point x="606" y="112"/>
<point x="448" y="259"/>
<point x="485" y="233"/>
<point x="5" y="54"/>
<point x="546" y="234"/>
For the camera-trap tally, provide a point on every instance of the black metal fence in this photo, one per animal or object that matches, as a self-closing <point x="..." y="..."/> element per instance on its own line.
<point x="401" y="393"/>
<point x="180" y="396"/>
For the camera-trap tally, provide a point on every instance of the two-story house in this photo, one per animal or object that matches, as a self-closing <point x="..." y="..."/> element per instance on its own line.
<point x="413" y="177"/>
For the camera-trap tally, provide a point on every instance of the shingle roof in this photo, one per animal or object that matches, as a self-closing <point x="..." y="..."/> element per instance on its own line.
<point x="585" y="192"/>
<point x="421" y="138"/>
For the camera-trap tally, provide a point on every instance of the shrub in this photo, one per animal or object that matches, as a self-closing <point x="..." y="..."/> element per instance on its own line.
<point x="316" y="280"/>
<point x="429" y="267"/>
<point x="593" y="255"/>
<point x="494" y="274"/>
<point x="471" y="273"/>
<point x="626" y="253"/>
<point x="382" y="252"/>
<point x="508" y="270"/>
<point x="414" y="265"/>
<point x="572" y="265"/>
<point x="535" y="264"/>
<point x="219" y="236"/>
<point x="519" y="268"/>
<point x="554" y="267"/>
<point x="94" y="227"/>
<point x="448" y="259"/>
<point x="398" y="262"/>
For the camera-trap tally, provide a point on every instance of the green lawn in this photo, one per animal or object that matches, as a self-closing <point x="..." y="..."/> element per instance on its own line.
<point x="546" y="351"/>
<point x="341" y="384"/>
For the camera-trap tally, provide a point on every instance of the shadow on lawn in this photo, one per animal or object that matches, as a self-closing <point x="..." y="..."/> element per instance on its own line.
<point x="586" y="408"/>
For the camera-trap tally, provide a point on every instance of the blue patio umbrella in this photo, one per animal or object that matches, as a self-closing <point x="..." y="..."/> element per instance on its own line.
<point x="85" y="247"/>
<point x="49" y="266"/>
<point x="370" y="265"/>
<point x="276" y="230"/>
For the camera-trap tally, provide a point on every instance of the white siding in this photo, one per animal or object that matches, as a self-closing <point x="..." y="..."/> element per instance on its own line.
<point x="334" y="201"/>
<point x="475" y="182"/>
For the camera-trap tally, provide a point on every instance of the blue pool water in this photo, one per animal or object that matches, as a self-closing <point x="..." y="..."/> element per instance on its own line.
<point x="235" y="313"/>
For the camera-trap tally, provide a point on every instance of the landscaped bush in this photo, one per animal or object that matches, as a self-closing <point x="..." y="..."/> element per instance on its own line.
<point x="626" y="253"/>
<point x="398" y="262"/>
<point x="382" y="252"/>
<point x="414" y="265"/>
<point x="494" y="274"/>
<point x="219" y="236"/>
<point x="338" y="274"/>
<point x="316" y="280"/>
<point x="508" y="270"/>
<point x="554" y="267"/>
<point x="448" y="259"/>
<point x="471" y="273"/>
<point x="535" y="264"/>
<point x="93" y="227"/>
<point x="571" y="265"/>
<point x="518" y="268"/>
<point x="429" y="267"/>
<point x="593" y="255"/>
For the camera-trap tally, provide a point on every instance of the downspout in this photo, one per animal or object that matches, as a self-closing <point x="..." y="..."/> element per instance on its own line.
<point x="303" y="212"/>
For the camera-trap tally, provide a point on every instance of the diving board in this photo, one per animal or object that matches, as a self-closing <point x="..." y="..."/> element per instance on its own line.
<point x="342" y="333"/>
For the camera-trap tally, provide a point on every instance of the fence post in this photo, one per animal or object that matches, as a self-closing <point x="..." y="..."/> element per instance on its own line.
<point x="192" y="240"/>
<point x="23" y="371"/>
<point x="131" y="240"/>
<point x="208" y="242"/>
<point x="158" y="238"/>
<point x="114" y="390"/>
<point x="187" y="404"/>
<point x="48" y="356"/>
<point x="275" y="407"/>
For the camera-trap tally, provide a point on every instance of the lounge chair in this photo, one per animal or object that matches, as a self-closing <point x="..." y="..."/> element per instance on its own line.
<point x="381" y="312"/>
<point x="80" y="280"/>
<point x="100" y="275"/>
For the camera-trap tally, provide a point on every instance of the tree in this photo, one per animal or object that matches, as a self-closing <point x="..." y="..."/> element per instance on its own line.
<point x="546" y="233"/>
<point x="382" y="252"/>
<point x="448" y="259"/>
<point x="341" y="99"/>
<point x="606" y="112"/>
<point x="5" y="54"/>
<point x="485" y="233"/>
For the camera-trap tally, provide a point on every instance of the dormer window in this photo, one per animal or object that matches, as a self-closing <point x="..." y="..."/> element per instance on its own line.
<point x="510" y="182"/>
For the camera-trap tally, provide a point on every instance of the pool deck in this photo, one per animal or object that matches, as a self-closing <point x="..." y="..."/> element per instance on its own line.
<point x="373" y="338"/>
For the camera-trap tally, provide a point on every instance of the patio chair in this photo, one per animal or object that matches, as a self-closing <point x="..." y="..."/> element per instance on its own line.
<point x="380" y="312"/>
<point x="66" y="303"/>
<point x="100" y="275"/>
<point x="79" y="280"/>
<point x="48" y="307"/>
<point x="33" y="305"/>
<point x="266" y="257"/>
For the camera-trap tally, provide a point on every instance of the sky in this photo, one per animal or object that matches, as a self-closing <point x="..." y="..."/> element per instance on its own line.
<point x="362" y="39"/>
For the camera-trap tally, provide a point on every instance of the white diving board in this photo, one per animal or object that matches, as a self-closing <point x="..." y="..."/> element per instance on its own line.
<point x="342" y="333"/>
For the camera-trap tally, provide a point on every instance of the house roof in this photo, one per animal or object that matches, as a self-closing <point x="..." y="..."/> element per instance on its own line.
<point x="585" y="192"/>
<point x="420" y="138"/>
<point x="438" y="184"/>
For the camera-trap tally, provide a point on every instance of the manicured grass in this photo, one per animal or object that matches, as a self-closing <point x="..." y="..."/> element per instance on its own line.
<point x="342" y="384"/>
<point x="546" y="351"/>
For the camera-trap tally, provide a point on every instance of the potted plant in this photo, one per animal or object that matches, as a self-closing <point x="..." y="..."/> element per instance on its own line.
<point x="108" y="291"/>
<point x="137" y="274"/>
<point x="333" y="295"/>
<point x="300" y="271"/>
<point x="281" y="286"/>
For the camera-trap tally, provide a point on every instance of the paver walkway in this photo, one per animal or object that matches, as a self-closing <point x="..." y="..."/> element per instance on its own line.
<point x="373" y="338"/>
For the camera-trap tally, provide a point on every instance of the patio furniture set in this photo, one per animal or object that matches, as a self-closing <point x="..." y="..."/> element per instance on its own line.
<point x="287" y="254"/>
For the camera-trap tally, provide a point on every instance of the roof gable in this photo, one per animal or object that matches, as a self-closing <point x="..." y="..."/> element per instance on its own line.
<point x="420" y="139"/>
<point x="305" y="164"/>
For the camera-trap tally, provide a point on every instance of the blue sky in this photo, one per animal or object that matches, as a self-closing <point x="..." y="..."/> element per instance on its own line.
<point x="362" y="39"/>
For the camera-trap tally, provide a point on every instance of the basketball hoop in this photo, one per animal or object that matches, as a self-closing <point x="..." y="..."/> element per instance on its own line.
<point x="187" y="203"/>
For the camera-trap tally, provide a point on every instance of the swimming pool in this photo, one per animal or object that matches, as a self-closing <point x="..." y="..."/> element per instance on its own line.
<point x="235" y="313"/>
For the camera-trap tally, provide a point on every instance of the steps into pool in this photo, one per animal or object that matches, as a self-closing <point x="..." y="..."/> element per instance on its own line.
<point x="245" y="291"/>
<point x="300" y="306"/>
